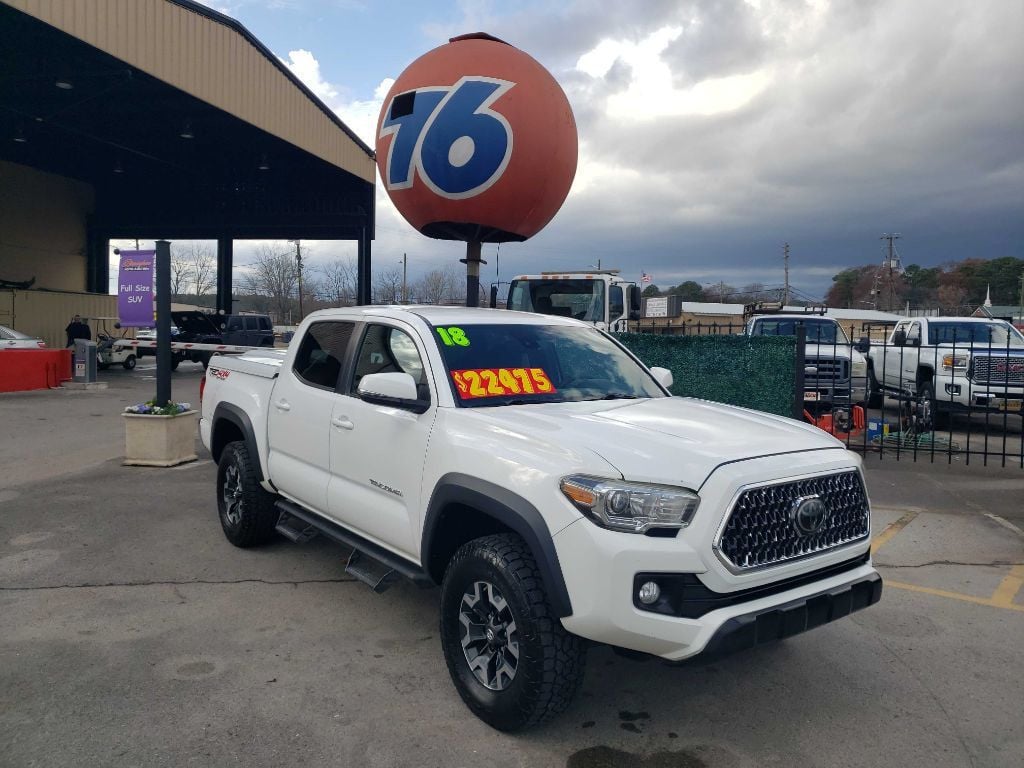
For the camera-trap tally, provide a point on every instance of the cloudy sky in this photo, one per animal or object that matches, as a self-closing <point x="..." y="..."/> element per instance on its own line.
<point x="712" y="131"/>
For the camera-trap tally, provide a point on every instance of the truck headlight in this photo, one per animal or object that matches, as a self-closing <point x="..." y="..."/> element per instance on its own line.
<point x="630" y="507"/>
<point x="954" y="362"/>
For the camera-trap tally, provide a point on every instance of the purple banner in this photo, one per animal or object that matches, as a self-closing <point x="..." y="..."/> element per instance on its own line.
<point x="135" y="289"/>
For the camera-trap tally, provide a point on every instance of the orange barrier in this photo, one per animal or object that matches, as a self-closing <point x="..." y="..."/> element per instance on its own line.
<point x="25" y="369"/>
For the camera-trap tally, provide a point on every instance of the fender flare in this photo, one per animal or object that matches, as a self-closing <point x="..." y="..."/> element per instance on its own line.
<point x="509" y="509"/>
<point x="232" y="413"/>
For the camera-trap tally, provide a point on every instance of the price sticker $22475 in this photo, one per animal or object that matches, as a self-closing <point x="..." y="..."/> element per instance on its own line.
<point x="501" y="382"/>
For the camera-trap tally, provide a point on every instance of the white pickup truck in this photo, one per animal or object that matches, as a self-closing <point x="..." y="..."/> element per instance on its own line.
<point x="546" y="479"/>
<point x="951" y="364"/>
<point x="835" y="369"/>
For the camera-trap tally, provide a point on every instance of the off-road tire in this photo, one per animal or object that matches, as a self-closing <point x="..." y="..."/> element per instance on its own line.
<point x="551" y="660"/>
<point x="253" y="520"/>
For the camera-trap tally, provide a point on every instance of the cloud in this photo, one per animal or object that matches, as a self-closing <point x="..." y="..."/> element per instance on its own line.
<point x="711" y="131"/>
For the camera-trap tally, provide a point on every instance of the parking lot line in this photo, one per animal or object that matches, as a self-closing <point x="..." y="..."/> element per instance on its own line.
<point x="988" y="601"/>
<point x="891" y="530"/>
<point x="1008" y="588"/>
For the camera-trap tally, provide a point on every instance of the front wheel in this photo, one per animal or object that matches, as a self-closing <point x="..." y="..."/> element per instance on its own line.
<point x="246" y="510"/>
<point x="512" y="662"/>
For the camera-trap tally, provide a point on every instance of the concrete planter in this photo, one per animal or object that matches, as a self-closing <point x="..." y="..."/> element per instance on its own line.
<point x="159" y="441"/>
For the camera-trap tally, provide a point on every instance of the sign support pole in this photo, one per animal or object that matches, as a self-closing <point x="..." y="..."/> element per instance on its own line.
<point x="163" y="322"/>
<point x="473" y="262"/>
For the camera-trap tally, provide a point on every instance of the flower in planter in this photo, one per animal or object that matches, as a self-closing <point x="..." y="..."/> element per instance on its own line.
<point x="150" y="408"/>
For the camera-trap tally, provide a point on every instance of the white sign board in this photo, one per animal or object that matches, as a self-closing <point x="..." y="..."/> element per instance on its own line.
<point x="656" y="307"/>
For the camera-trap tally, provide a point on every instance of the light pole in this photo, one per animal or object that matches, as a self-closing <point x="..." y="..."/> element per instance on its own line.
<point x="298" y="264"/>
<point x="405" y="278"/>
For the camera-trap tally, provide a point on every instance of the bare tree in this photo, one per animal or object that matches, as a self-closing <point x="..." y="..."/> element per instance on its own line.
<point x="181" y="270"/>
<point x="431" y="288"/>
<point x="387" y="286"/>
<point x="274" y="275"/>
<point x="204" y="267"/>
<point x="338" y="282"/>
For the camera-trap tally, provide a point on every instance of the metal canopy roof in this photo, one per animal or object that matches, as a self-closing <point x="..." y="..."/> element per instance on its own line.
<point x="185" y="125"/>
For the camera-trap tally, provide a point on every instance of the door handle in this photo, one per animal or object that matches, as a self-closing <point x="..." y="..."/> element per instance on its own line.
<point x="343" y="423"/>
<point x="282" y="405"/>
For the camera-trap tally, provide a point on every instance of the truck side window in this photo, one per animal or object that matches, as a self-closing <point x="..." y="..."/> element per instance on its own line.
<point x="264" y="323"/>
<point x="234" y="324"/>
<point x="616" y="307"/>
<point x="250" y="324"/>
<point x="914" y="335"/>
<point x="389" y="350"/>
<point x="322" y="353"/>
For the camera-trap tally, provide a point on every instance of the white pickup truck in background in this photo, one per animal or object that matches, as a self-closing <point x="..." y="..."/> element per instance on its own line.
<point x="835" y="369"/>
<point x="548" y="482"/>
<point x="950" y="364"/>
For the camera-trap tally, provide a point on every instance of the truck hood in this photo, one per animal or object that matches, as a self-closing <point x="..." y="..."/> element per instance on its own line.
<point x="837" y="351"/>
<point x="672" y="440"/>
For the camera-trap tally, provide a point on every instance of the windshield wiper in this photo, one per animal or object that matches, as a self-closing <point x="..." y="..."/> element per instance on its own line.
<point x="614" y="396"/>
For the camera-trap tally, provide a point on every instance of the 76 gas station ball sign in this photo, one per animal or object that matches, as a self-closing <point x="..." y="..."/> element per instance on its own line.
<point x="476" y="141"/>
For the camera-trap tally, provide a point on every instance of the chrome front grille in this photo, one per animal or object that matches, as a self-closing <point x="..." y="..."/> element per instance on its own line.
<point x="762" y="529"/>
<point x="828" y="370"/>
<point x="998" y="371"/>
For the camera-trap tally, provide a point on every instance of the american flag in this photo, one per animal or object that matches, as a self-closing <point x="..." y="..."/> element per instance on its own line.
<point x="644" y="277"/>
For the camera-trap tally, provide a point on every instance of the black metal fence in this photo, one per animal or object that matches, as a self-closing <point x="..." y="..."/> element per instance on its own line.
<point x="957" y="394"/>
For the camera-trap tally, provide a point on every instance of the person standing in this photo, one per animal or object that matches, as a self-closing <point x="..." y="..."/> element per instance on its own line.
<point x="77" y="330"/>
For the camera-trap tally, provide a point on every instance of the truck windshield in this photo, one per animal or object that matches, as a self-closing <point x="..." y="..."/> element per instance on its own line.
<point x="997" y="334"/>
<point x="582" y="299"/>
<point x="818" y="331"/>
<point x="515" y="364"/>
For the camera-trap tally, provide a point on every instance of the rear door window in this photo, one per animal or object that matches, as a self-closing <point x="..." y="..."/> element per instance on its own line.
<point x="321" y="355"/>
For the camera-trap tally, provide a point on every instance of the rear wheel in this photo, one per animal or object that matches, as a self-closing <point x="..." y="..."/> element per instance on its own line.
<point x="512" y="662"/>
<point x="246" y="510"/>
<point x="129" y="362"/>
<point x="931" y="417"/>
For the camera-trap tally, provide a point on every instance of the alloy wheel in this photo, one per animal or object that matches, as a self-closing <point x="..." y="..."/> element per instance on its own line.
<point x="490" y="639"/>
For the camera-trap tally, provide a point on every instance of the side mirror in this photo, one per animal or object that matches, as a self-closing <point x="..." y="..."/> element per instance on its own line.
<point x="863" y="345"/>
<point x="663" y="376"/>
<point x="899" y="338"/>
<point x="397" y="390"/>
<point x="634" y="314"/>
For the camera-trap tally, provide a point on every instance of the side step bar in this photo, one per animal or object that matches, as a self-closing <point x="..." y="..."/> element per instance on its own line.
<point x="390" y="563"/>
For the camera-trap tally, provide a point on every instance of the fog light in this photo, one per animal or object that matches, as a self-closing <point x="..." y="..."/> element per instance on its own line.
<point x="952" y="389"/>
<point x="649" y="593"/>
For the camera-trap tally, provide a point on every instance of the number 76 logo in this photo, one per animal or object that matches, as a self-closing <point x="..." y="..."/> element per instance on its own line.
<point x="448" y="136"/>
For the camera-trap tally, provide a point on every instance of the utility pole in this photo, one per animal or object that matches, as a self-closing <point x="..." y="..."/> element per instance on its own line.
<point x="298" y="265"/>
<point x="785" y="261"/>
<point x="405" y="278"/>
<point x="1020" y="317"/>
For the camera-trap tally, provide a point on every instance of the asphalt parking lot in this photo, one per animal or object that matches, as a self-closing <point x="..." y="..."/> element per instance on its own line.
<point x="132" y="633"/>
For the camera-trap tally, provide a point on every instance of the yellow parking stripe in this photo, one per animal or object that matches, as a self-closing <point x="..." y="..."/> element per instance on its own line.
<point x="1008" y="588"/>
<point x="989" y="601"/>
<point x="891" y="530"/>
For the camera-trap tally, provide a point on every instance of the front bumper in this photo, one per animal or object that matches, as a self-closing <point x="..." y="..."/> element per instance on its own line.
<point x="600" y="568"/>
<point x="782" y="621"/>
